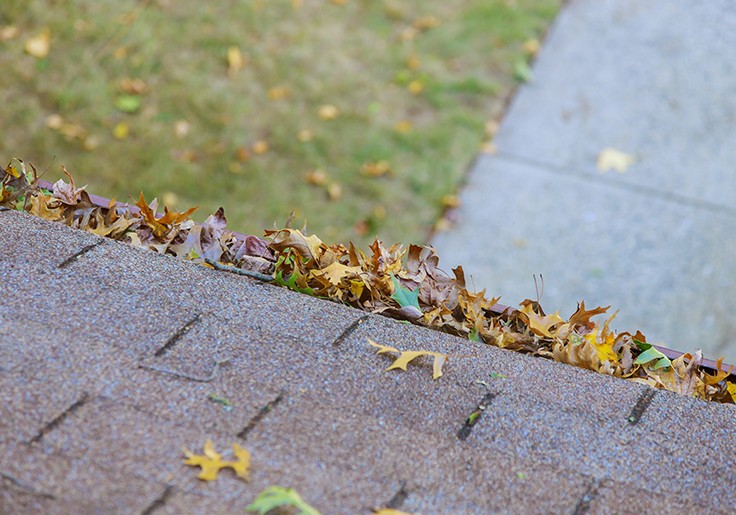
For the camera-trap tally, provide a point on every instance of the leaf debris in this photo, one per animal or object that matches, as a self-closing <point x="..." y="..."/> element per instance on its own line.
<point x="404" y="283"/>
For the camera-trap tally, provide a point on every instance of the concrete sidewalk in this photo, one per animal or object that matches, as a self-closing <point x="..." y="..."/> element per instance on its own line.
<point x="655" y="79"/>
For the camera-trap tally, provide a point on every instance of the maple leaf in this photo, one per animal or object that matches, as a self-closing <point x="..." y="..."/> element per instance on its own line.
<point x="336" y="272"/>
<point x="163" y="225"/>
<point x="211" y="462"/>
<point x="581" y="317"/>
<point x="539" y="324"/>
<point x="278" y="496"/>
<point x="405" y="357"/>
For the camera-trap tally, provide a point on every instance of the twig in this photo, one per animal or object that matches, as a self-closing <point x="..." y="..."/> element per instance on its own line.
<point x="239" y="271"/>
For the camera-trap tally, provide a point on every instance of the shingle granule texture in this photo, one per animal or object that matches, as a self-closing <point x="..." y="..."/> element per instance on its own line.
<point x="108" y="363"/>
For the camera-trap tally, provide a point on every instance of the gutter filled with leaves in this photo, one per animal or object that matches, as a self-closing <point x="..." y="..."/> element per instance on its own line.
<point x="402" y="283"/>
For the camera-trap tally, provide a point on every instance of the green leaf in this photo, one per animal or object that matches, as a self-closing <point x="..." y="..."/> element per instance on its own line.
<point x="496" y="375"/>
<point x="652" y="354"/>
<point x="128" y="103"/>
<point x="278" y="496"/>
<point x="221" y="400"/>
<point x="522" y="71"/>
<point x="474" y="335"/>
<point x="404" y="296"/>
<point x="290" y="283"/>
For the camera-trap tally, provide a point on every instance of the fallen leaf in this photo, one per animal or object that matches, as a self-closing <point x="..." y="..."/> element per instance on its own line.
<point x="405" y="297"/>
<point x="277" y="497"/>
<point x="376" y="168"/>
<point x="128" y="103"/>
<point x="260" y="147"/>
<point x="522" y="71"/>
<point x="731" y="387"/>
<point x="121" y="130"/>
<point x="316" y="177"/>
<point x="39" y="45"/>
<point x="8" y="32"/>
<point x="613" y="159"/>
<point x="211" y="462"/>
<point x="278" y="93"/>
<point x="403" y="126"/>
<point x="407" y="356"/>
<point x="531" y="47"/>
<point x="334" y="191"/>
<point x="328" y="112"/>
<point x="415" y="87"/>
<point x="135" y="86"/>
<point x="235" y="60"/>
<point x="304" y="135"/>
<point x="539" y="324"/>
<point x="181" y="128"/>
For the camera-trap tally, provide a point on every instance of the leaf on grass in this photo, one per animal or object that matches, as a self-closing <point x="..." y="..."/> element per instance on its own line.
<point x="128" y="103"/>
<point x="235" y="60"/>
<point x="278" y="496"/>
<point x="407" y="356"/>
<point x="613" y="159"/>
<point x="39" y="45"/>
<point x="211" y="462"/>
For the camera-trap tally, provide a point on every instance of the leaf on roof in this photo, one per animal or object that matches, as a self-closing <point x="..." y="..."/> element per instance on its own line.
<point x="407" y="356"/>
<point x="211" y="461"/>
<point x="279" y="497"/>
<point x="542" y="325"/>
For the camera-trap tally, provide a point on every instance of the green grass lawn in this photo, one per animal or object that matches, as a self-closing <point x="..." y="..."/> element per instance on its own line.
<point x="360" y="115"/>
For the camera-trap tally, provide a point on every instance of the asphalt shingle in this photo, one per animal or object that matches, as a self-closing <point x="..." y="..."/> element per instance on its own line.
<point x="109" y="362"/>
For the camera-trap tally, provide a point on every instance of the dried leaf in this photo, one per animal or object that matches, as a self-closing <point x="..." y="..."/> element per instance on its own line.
<point x="235" y="60"/>
<point x="405" y="357"/>
<point x="211" y="462"/>
<point x="39" y="45"/>
<point x="613" y="159"/>
<point x="540" y="325"/>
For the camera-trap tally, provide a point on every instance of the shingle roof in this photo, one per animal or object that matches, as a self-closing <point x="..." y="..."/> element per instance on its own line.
<point x="107" y="361"/>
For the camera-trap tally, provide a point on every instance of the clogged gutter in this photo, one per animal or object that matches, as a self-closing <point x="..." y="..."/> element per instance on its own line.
<point x="397" y="282"/>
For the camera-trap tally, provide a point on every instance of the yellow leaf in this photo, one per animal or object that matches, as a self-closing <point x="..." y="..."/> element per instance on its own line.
<point x="403" y="126"/>
<point x="613" y="159"/>
<point x="304" y="135"/>
<point x="603" y="349"/>
<point x="336" y="272"/>
<point x="531" y="46"/>
<point x="316" y="177"/>
<point x="415" y="87"/>
<point x="376" y="169"/>
<point x="383" y="349"/>
<point x="211" y="462"/>
<point x="260" y="147"/>
<point x="328" y="112"/>
<point x="731" y="389"/>
<point x="413" y="62"/>
<point x="39" y="45"/>
<point x="121" y="130"/>
<point x="278" y="93"/>
<point x="409" y="355"/>
<point x="235" y="60"/>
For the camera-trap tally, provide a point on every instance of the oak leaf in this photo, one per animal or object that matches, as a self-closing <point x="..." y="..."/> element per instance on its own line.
<point x="407" y="356"/>
<point x="211" y="462"/>
<point x="306" y="246"/>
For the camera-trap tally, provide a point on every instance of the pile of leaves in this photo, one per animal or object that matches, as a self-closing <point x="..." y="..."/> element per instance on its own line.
<point x="395" y="281"/>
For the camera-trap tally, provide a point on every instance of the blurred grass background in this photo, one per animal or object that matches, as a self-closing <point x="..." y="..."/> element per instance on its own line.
<point x="361" y="115"/>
